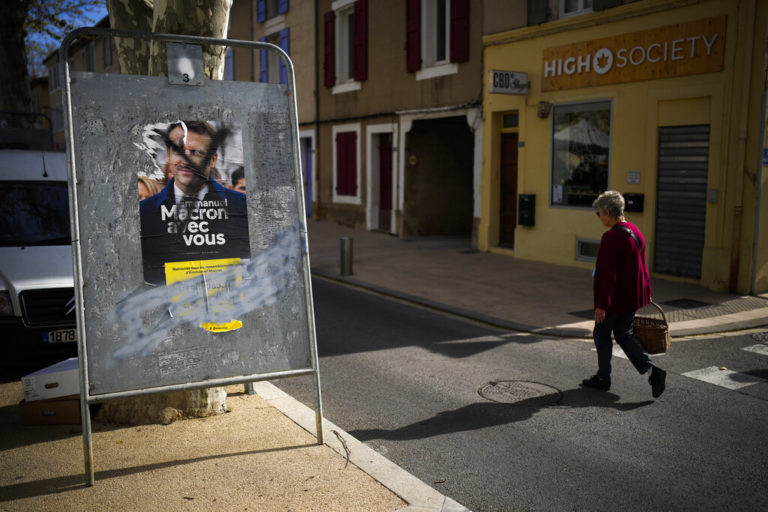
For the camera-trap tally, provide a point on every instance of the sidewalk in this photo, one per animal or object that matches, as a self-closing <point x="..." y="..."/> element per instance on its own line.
<point x="444" y="273"/>
<point x="261" y="456"/>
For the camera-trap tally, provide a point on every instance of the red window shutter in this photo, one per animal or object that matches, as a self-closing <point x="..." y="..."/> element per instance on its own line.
<point x="413" y="35"/>
<point x="361" y="40"/>
<point x="330" y="50"/>
<point x="459" y="30"/>
<point x="346" y="161"/>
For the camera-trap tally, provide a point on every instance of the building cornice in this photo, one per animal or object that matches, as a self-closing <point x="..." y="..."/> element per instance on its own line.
<point x="613" y="15"/>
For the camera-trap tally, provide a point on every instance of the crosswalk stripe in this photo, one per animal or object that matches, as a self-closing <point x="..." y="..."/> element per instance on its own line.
<point x="618" y="352"/>
<point x="725" y="378"/>
<point x="716" y="375"/>
<point x="760" y="348"/>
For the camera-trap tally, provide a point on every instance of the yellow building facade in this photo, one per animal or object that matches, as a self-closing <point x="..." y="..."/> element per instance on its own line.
<point x="662" y="101"/>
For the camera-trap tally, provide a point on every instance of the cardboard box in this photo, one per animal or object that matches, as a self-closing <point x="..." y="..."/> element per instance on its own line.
<point x="60" y="411"/>
<point x="56" y="381"/>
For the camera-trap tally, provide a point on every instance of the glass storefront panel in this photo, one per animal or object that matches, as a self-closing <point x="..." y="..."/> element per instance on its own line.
<point x="581" y="140"/>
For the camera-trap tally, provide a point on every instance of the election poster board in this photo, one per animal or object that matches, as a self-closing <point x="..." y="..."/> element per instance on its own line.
<point x="189" y="276"/>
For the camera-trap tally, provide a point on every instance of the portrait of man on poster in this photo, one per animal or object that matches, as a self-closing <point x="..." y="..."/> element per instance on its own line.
<point x="194" y="217"/>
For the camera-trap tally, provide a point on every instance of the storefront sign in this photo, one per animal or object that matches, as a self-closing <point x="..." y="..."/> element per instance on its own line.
<point x="664" y="52"/>
<point x="507" y="82"/>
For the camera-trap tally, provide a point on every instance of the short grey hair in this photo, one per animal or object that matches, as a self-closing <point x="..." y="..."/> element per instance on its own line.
<point x="610" y="202"/>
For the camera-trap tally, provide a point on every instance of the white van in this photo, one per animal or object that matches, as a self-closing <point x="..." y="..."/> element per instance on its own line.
<point x="36" y="285"/>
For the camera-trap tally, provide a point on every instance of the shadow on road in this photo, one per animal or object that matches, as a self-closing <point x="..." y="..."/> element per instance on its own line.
<point x="490" y="414"/>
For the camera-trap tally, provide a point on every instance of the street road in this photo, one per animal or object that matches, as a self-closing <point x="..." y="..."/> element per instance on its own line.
<point x="406" y="381"/>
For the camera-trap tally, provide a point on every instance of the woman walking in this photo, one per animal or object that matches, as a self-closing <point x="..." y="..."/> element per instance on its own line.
<point x="622" y="285"/>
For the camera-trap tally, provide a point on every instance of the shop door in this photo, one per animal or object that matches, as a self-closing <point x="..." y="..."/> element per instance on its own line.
<point x="681" y="200"/>
<point x="508" y="190"/>
<point x="385" y="181"/>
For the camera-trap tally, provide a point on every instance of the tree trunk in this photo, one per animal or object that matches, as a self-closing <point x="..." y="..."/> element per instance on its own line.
<point x="191" y="17"/>
<point x="132" y="54"/>
<point x="15" y="94"/>
<point x="208" y="18"/>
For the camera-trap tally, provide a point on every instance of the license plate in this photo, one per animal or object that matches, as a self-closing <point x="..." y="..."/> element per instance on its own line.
<point x="60" y="336"/>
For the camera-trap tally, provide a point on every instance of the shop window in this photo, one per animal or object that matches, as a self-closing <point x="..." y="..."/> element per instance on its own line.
<point x="346" y="164"/>
<point x="581" y="139"/>
<point x="575" y="7"/>
<point x="437" y="36"/>
<point x="346" y="45"/>
<point x="271" y="67"/>
<point x="268" y="9"/>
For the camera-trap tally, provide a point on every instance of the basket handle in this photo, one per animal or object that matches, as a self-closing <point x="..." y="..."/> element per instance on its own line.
<point x="663" y="316"/>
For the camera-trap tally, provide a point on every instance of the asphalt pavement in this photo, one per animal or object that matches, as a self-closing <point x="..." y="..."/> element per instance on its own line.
<point x="263" y="454"/>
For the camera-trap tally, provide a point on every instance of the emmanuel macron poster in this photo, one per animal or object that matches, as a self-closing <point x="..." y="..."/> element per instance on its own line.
<point x="193" y="221"/>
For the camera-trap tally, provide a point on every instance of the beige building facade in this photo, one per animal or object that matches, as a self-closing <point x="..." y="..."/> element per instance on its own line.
<point x="389" y="100"/>
<point x="97" y="55"/>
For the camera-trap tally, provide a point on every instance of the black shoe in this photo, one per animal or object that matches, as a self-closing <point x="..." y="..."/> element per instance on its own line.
<point x="597" y="383"/>
<point x="657" y="380"/>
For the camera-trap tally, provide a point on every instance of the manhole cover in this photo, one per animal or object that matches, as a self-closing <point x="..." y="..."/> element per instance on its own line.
<point x="520" y="392"/>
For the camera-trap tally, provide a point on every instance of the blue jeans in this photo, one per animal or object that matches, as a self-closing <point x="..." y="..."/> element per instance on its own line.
<point x="621" y="326"/>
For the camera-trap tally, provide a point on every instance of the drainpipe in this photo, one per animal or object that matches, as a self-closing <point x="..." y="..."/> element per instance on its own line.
<point x="741" y="158"/>
<point x="316" y="170"/>
<point x="759" y="181"/>
<point x="253" y="54"/>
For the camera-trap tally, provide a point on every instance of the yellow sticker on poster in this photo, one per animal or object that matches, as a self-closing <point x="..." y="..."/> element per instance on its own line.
<point x="177" y="271"/>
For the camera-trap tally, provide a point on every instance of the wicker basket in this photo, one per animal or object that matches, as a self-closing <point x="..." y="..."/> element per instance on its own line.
<point x="653" y="333"/>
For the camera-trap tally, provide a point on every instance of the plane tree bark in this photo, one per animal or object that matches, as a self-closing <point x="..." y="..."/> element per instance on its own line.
<point x="208" y="18"/>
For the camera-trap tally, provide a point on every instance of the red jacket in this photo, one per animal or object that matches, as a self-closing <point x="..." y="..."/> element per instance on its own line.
<point x="622" y="283"/>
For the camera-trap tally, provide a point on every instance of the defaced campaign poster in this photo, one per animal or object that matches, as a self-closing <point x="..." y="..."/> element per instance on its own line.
<point x="192" y="201"/>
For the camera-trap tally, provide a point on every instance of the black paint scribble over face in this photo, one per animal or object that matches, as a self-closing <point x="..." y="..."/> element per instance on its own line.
<point x="192" y="155"/>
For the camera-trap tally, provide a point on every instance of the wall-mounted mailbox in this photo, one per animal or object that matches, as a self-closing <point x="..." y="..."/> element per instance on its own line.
<point x="633" y="202"/>
<point x="527" y="209"/>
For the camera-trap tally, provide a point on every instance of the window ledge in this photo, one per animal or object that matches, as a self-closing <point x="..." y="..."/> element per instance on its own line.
<point x="346" y="199"/>
<point x="346" y="87"/>
<point x="436" y="71"/>
<point x="280" y="18"/>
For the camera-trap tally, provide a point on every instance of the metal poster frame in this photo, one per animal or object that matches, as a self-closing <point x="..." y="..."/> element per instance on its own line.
<point x="85" y="397"/>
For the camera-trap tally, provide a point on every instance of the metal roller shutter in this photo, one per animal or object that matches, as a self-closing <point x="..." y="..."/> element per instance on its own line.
<point x="681" y="191"/>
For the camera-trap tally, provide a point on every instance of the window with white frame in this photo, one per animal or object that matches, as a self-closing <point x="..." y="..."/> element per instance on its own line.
<point x="436" y="28"/>
<point x="346" y="164"/>
<point x="346" y="45"/>
<point x="437" y="36"/>
<point x="581" y="143"/>
<point x="273" y="59"/>
<point x="271" y="67"/>
<point x="575" y="7"/>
